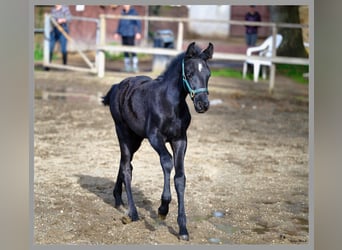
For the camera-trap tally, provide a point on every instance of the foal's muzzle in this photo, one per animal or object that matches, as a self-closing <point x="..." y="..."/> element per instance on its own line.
<point x="201" y="102"/>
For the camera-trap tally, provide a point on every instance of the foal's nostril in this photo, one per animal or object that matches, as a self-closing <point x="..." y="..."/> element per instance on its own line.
<point x="203" y="105"/>
<point x="206" y="104"/>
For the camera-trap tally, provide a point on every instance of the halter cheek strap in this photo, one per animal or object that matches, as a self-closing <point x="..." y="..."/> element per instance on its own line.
<point x="186" y="84"/>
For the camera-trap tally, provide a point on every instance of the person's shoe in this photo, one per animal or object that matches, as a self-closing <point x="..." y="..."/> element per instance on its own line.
<point x="65" y="58"/>
<point x="135" y="69"/>
<point x="135" y="64"/>
<point x="127" y="62"/>
<point x="128" y="69"/>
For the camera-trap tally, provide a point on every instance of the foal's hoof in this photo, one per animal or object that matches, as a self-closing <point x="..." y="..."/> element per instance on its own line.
<point x="162" y="216"/>
<point x="184" y="237"/>
<point x="130" y="218"/>
<point x="126" y="220"/>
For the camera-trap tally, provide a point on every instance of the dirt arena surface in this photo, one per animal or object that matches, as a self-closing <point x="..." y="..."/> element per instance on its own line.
<point x="246" y="166"/>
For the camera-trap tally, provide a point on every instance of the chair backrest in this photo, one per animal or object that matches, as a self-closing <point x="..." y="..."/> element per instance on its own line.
<point x="268" y="45"/>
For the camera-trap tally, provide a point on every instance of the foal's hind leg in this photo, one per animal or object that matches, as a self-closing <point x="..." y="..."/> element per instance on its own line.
<point x="129" y="144"/>
<point x="117" y="192"/>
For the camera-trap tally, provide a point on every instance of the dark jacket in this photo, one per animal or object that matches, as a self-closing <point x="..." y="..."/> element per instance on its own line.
<point x="253" y="18"/>
<point x="129" y="27"/>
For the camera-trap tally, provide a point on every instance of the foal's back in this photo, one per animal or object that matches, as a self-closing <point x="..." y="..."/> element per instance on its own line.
<point x="133" y="101"/>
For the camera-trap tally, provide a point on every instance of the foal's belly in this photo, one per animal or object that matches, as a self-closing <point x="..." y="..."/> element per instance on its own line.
<point x="169" y="128"/>
<point x="174" y="129"/>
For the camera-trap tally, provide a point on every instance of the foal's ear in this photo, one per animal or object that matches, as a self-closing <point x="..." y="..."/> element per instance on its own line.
<point x="208" y="52"/>
<point x="191" y="50"/>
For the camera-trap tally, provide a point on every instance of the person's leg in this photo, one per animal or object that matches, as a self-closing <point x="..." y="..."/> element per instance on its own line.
<point x="135" y="63"/>
<point x="254" y="38"/>
<point x="131" y="42"/>
<point x="248" y="39"/>
<point x="127" y="59"/>
<point x="64" y="42"/>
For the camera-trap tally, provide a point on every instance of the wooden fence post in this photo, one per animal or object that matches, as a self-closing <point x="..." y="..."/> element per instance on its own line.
<point x="274" y="51"/>
<point x="101" y="55"/>
<point x="47" y="28"/>
<point x="180" y="36"/>
<point x="69" y="38"/>
<point x="97" y="52"/>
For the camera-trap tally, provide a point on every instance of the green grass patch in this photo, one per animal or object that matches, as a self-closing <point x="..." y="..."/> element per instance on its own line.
<point x="38" y="52"/>
<point x="295" y="72"/>
<point x="227" y="72"/>
<point x="113" y="56"/>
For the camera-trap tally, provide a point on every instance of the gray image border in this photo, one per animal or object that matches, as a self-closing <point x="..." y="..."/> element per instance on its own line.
<point x="310" y="244"/>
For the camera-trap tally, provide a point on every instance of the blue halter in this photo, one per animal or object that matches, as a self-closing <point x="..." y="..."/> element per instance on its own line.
<point x="186" y="84"/>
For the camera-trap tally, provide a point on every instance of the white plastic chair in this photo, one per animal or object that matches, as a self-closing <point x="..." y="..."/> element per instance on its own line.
<point x="265" y="49"/>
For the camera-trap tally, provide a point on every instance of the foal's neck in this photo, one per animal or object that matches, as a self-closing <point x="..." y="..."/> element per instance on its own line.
<point x="175" y="90"/>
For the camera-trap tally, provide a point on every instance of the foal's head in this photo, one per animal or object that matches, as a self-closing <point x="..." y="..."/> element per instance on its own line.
<point x="196" y="74"/>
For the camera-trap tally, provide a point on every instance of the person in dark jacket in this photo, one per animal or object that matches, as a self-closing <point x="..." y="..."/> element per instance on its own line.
<point x="129" y="30"/>
<point x="252" y="31"/>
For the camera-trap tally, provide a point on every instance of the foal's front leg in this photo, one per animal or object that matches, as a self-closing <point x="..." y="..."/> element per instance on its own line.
<point x="179" y="148"/>
<point x="166" y="162"/>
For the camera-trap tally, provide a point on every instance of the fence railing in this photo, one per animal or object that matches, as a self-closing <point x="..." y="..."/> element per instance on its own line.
<point x="46" y="60"/>
<point x="102" y="46"/>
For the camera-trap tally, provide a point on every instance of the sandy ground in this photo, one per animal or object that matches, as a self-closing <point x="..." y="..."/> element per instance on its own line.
<point x="246" y="167"/>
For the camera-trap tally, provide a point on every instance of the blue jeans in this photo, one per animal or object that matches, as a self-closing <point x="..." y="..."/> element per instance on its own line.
<point x="251" y="39"/>
<point x="55" y="36"/>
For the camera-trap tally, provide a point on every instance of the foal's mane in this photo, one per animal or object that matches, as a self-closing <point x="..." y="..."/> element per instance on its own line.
<point x="173" y="66"/>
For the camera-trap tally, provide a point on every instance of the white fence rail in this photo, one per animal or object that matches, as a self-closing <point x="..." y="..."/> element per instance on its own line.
<point x="46" y="60"/>
<point x="102" y="46"/>
<point x="178" y="48"/>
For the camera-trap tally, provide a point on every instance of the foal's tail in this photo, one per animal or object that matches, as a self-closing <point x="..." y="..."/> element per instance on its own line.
<point x="106" y="98"/>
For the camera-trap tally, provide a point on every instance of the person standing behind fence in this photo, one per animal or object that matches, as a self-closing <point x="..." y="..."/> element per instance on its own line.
<point x="252" y="31"/>
<point x="129" y="30"/>
<point x="62" y="16"/>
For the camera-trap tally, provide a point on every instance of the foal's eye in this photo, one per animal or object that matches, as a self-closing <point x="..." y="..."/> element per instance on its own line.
<point x="189" y="75"/>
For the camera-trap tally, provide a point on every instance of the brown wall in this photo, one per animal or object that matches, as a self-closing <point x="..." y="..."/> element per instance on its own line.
<point x="238" y="13"/>
<point x="85" y="32"/>
<point x="167" y="11"/>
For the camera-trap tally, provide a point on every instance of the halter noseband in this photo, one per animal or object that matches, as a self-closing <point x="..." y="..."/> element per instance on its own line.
<point x="186" y="84"/>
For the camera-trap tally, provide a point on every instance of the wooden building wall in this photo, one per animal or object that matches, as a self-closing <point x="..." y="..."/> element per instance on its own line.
<point x="238" y="13"/>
